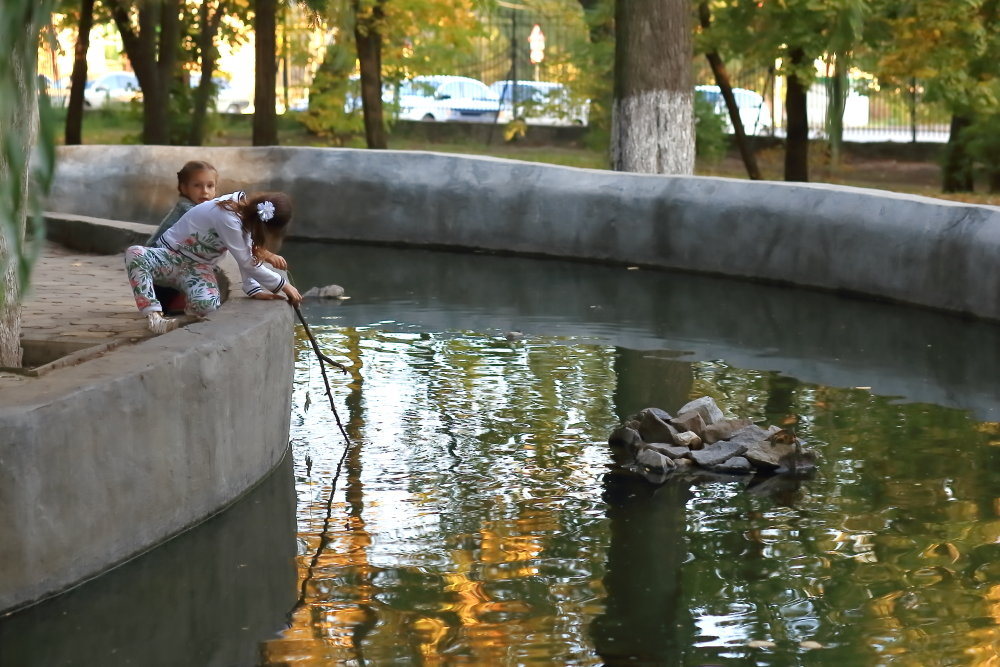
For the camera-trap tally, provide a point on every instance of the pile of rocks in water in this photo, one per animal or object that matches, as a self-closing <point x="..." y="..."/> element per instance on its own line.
<point x="700" y="438"/>
<point x="327" y="292"/>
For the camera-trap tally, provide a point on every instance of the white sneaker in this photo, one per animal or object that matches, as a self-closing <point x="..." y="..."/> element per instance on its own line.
<point x="159" y="324"/>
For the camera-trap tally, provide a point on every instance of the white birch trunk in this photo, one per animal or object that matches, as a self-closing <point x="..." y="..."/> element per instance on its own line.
<point x="653" y="133"/>
<point x="652" y="117"/>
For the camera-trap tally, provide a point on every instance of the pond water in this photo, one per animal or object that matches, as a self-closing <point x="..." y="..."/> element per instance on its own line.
<point x="476" y="517"/>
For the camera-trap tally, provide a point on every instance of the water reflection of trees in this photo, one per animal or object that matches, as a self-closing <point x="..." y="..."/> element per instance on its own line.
<point x="490" y="443"/>
<point x="474" y="531"/>
<point x="878" y="558"/>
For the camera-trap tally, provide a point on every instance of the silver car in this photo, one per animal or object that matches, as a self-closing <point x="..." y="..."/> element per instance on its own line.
<point x="113" y="88"/>
<point x="543" y="102"/>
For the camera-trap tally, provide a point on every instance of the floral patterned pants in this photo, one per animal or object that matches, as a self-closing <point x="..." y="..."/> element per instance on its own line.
<point x="163" y="266"/>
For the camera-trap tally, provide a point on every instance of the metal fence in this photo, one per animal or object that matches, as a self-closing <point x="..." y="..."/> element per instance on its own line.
<point x="541" y="53"/>
<point x="871" y="112"/>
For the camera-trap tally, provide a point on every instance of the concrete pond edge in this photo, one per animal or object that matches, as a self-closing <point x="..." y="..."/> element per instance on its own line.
<point x="871" y="243"/>
<point x="106" y="459"/>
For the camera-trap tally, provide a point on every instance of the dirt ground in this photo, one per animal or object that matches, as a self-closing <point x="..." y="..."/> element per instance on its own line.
<point x="918" y="173"/>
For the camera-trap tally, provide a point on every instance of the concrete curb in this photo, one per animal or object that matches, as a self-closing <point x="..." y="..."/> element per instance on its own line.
<point x="96" y="235"/>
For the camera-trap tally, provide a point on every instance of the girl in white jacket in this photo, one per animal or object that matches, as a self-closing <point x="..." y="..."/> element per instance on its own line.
<point x="185" y="256"/>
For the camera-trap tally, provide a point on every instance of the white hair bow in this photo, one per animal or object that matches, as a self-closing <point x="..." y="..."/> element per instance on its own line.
<point x="265" y="211"/>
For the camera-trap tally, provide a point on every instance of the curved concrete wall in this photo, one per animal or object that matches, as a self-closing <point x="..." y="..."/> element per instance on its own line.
<point x="904" y="248"/>
<point x="204" y="599"/>
<point x="103" y="460"/>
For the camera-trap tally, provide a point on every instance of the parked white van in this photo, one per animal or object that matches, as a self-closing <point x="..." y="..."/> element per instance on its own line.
<point x="754" y="110"/>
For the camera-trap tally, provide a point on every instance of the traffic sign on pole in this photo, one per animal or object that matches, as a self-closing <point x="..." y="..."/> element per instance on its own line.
<point x="536" y="45"/>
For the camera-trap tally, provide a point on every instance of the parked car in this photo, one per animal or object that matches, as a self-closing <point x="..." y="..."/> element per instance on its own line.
<point x="227" y="100"/>
<point x="542" y="102"/>
<point x="352" y="98"/>
<point x="113" y="88"/>
<point x="754" y="111"/>
<point x="446" y="98"/>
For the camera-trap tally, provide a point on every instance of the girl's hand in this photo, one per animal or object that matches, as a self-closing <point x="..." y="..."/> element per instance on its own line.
<point x="293" y="294"/>
<point x="277" y="261"/>
<point x="265" y="296"/>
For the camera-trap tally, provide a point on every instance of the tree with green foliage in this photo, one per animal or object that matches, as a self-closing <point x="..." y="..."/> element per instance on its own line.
<point x="795" y="33"/>
<point x="390" y="41"/>
<point x="721" y="74"/>
<point x="22" y="182"/>
<point x="172" y="112"/>
<point x="150" y="31"/>
<point x="951" y="47"/>
<point x="598" y="65"/>
<point x="206" y="28"/>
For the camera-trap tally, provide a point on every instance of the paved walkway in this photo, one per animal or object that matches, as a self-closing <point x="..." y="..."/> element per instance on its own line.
<point x="81" y="298"/>
<point x="79" y="305"/>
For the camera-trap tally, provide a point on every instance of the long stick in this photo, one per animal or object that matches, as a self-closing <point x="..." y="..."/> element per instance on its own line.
<point x="323" y="359"/>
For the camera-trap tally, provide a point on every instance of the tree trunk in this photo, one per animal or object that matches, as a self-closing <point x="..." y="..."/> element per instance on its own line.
<point x="956" y="172"/>
<point x="797" y="141"/>
<point x="10" y="304"/>
<point x="20" y="22"/>
<point x="170" y="39"/>
<point x="835" y="110"/>
<point x="369" y="44"/>
<point x="652" y="120"/>
<point x="208" y="54"/>
<point x="726" y="88"/>
<point x="159" y="23"/>
<point x="265" y="118"/>
<point x="78" y="79"/>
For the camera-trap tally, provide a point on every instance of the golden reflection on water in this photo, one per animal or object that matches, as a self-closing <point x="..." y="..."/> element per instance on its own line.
<point x="321" y="632"/>
<point x="470" y="612"/>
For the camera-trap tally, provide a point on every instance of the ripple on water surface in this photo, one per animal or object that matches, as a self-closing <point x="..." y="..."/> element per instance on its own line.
<point x="477" y="523"/>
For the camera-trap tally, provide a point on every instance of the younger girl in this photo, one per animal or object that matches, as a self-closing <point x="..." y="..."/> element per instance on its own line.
<point x="187" y="253"/>
<point x="196" y="182"/>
